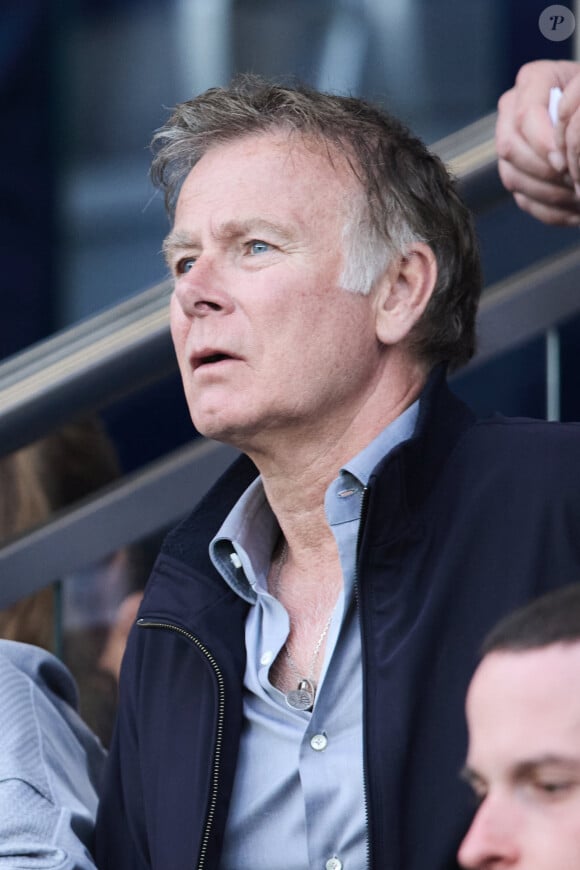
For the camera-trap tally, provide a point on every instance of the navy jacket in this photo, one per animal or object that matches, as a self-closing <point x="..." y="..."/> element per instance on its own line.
<point x="460" y="525"/>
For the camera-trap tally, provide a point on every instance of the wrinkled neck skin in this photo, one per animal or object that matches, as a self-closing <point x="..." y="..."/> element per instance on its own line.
<point x="298" y="465"/>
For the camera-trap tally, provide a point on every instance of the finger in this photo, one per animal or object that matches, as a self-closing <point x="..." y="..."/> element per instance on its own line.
<point x="572" y="139"/>
<point x="548" y="214"/>
<point x="570" y="99"/>
<point x="567" y="110"/>
<point x="505" y="128"/>
<point x="519" y="155"/>
<point x="526" y="137"/>
<point x="537" y="130"/>
<point x="556" y="194"/>
<point x="535" y="79"/>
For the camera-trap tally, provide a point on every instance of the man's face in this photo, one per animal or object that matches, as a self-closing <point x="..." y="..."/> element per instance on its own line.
<point x="523" y="712"/>
<point x="268" y="343"/>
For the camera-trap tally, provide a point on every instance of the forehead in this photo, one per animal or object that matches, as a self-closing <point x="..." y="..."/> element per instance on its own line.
<point x="271" y="171"/>
<point x="526" y="703"/>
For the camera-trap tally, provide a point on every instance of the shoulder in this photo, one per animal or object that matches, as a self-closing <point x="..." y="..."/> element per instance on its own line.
<point x="43" y="736"/>
<point x="522" y="454"/>
<point x="25" y="668"/>
<point x="50" y="763"/>
<point x="527" y="439"/>
<point x="502" y="426"/>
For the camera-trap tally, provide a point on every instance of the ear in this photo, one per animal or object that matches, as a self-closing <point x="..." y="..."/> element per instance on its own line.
<point x="402" y="293"/>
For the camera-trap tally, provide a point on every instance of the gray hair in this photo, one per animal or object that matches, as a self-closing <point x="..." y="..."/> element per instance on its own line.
<point x="367" y="251"/>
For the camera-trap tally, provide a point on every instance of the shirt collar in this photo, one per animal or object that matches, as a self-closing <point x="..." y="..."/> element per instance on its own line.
<point x="242" y="549"/>
<point x="401" y="429"/>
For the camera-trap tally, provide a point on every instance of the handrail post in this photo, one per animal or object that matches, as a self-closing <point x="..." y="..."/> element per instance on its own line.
<point x="553" y="374"/>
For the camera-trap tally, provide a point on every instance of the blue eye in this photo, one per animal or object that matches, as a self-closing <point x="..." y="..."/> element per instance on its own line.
<point x="185" y="265"/>
<point x="258" y="247"/>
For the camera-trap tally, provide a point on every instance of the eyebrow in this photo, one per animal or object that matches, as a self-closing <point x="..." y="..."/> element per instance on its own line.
<point x="234" y="228"/>
<point x="178" y="240"/>
<point x="527" y="767"/>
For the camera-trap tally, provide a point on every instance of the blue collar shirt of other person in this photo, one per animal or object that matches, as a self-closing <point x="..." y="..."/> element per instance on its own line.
<point x="298" y="797"/>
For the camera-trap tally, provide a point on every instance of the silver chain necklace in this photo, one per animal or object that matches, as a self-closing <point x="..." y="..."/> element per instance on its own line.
<point x="302" y="697"/>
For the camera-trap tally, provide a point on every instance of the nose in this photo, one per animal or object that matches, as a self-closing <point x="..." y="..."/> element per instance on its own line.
<point x="492" y="839"/>
<point x="202" y="290"/>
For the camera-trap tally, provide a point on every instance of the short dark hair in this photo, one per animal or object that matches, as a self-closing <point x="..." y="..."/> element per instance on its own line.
<point x="409" y="192"/>
<point x="551" y="618"/>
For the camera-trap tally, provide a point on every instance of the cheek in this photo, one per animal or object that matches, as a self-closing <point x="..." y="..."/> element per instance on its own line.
<point x="179" y="325"/>
<point x="568" y="833"/>
<point x="554" y="839"/>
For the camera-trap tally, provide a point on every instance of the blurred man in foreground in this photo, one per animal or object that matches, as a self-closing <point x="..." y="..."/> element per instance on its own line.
<point x="523" y="763"/>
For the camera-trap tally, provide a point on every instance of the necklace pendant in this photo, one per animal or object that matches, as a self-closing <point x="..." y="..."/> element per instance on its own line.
<point x="302" y="698"/>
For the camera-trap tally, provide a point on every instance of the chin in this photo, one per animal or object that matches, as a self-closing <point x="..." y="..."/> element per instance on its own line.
<point x="226" y="430"/>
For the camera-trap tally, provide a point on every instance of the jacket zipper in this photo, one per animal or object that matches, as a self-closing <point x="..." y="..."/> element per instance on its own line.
<point x="362" y="518"/>
<point x="220" y="727"/>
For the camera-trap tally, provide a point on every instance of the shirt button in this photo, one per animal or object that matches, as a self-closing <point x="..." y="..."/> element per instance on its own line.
<point x="333" y="863"/>
<point x="235" y="560"/>
<point x="266" y="657"/>
<point x="319" y="742"/>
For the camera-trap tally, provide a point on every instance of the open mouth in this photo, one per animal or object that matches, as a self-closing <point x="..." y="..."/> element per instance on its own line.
<point x="211" y="358"/>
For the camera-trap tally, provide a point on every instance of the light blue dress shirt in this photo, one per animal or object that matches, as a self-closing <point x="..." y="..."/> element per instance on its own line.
<point x="298" y="798"/>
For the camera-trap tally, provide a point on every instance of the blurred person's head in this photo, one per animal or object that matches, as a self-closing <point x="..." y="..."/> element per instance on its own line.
<point x="41" y="478"/>
<point x="23" y="505"/>
<point x="50" y="475"/>
<point x="523" y="761"/>
<point x="76" y="460"/>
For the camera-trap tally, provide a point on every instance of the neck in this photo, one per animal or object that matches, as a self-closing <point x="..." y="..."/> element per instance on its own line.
<point x="297" y="470"/>
<point x="309" y="601"/>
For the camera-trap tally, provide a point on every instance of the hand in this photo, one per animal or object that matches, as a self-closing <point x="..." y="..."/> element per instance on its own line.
<point x="537" y="161"/>
<point x="568" y="129"/>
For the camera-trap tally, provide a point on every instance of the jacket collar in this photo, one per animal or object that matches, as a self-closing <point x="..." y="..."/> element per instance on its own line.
<point x="404" y="479"/>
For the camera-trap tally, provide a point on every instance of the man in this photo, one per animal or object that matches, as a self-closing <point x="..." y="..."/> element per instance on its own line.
<point x="292" y="693"/>
<point x="523" y="711"/>
<point x="539" y="161"/>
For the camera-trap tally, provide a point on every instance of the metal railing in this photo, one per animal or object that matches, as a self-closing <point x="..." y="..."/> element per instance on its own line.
<point x="84" y="367"/>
